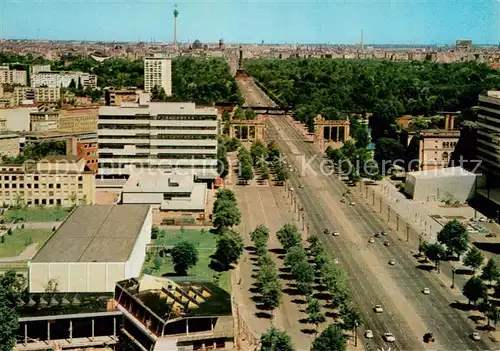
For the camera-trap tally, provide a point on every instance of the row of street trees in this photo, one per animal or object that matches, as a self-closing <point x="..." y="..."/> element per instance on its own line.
<point x="453" y="241"/>
<point x="267" y="280"/>
<point x="245" y="162"/>
<point x="226" y="215"/>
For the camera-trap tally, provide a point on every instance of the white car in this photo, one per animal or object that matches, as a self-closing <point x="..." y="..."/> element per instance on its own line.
<point x="378" y="309"/>
<point x="388" y="337"/>
<point x="368" y="334"/>
<point x="336" y="260"/>
<point x="352" y="203"/>
<point x="336" y="233"/>
<point x="475" y="336"/>
<point x="426" y="291"/>
<point x="392" y="262"/>
<point x="371" y="240"/>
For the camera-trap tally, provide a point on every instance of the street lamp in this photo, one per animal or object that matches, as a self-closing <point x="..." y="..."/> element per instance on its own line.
<point x="453" y="277"/>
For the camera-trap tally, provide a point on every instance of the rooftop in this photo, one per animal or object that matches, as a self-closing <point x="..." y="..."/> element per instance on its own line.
<point x="61" y="158"/>
<point x="95" y="233"/>
<point x="169" y="299"/>
<point x="443" y="172"/>
<point x="157" y="108"/>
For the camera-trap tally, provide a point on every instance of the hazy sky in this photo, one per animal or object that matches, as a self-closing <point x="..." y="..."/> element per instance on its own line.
<point x="307" y="21"/>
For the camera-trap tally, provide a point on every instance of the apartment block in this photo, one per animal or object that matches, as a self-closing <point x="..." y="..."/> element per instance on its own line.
<point x="6" y="100"/>
<point x="54" y="180"/>
<point x="488" y="133"/>
<point x="158" y="72"/>
<point x="56" y="79"/>
<point x="11" y="76"/>
<point x="159" y="135"/>
<point x="44" y="120"/>
<point x="34" y="69"/>
<point x="42" y="94"/>
<point x="78" y="120"/>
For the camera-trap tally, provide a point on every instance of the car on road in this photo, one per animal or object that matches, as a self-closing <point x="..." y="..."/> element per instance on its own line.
<point x="378" y="235"/>
<point x="371" y="240"/>
<point x="378" y="309"/>
<point x="426" y="291"/>
<point x="352" y="203"/>
<point x="475" y="336"/>
<point x="392" y="262"/>
<point x="387" y="243"/>
<point x="342" y="200"/>
<point x="336" y="260"/>
<point x="301" y="186"/>
<point x="388" y="337"/>
<point x="368" y="334"/>
<point x="326" y="232"/>
<point x="335" y="233"/>
<point x="384" y="233"/>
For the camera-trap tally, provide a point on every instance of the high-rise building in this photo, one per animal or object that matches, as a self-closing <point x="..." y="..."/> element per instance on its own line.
<point x="11" y="76"/>
<point x="160" y="135"/>
<point x="158" y="72"/>
<point x="488" y="134"/>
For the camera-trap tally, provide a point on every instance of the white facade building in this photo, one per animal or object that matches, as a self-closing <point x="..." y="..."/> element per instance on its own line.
<point x="158" y="72"/>
<point x="159" y="135"/>
<point x="10" y="76"/>
<point x="34" y="69"/>
<point x="95" y="247"/>
<point x="445" y="184"/>
<point x="55" y="79"/>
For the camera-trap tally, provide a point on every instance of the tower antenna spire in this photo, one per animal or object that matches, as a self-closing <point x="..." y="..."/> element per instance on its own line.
<point x="176" y="14"/>
<point x="362" y="39"/>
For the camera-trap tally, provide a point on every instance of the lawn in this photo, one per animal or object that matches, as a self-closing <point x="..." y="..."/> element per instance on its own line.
<point x="36" y="214"/>
<point x="206" y="244"/>
<point x="15" y="243"/>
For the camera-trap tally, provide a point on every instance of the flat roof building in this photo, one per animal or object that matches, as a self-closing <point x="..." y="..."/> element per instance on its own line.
<point x="167" y="314"/>
<point x="158" y="72"/>
<point x="52" y="181"/>
<point x="488" y="135"/>
<point x="95" y="247"/>
<point x="158" y="135"/>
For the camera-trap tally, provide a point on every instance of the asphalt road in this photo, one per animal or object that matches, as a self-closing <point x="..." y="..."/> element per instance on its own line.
<point x="253" y="95"/>
<point x="450" y="327"/>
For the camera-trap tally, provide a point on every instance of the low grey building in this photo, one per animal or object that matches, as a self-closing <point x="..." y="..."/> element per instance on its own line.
<point x="446" y="184"/>
<point x="96" y="246"/>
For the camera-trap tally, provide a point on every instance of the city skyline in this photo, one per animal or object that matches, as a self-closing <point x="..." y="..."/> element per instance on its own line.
<point x="330" y="22"/>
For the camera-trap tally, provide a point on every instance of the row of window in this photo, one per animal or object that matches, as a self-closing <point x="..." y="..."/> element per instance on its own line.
<point x="163" y="136"/>
<point x="38" y="186"/>
<point x="30" y="194"/>
<point x="161" y="155"/>
<point x="447" y="145"/>
<point x="489" y="105"/>
<point x="162" y="117"/>
<point x="147" y="165"/>
<point x="148" y="127"/>
<point x="154" y="147"/>
<point x="36" y="178"/>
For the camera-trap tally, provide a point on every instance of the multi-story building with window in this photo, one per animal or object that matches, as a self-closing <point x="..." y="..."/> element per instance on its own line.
<point x="158" y="135"/>
<point x="488" y="134"/>
<point x="56" y="79"/>
<point x="11" y="76"/>
<point x="34" y="69"/>
<point x="158" y="72"/>
<point x="54" y="180"/>
<point x="42" y="94"/>
<point x="78" y="120"/>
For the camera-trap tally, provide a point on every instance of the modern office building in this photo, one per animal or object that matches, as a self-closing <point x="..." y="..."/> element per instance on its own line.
<point x="157" y="135"/>
<point x="488" y="134"/>
<point x="158" y="72"/>
<point x="52" y="181"/>
<point x="95" y="247"/>
<point x="43" y="94"/>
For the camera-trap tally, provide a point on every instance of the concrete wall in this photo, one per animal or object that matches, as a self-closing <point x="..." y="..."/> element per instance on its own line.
<point x="453" y="188"/>
<point x="142" y="198"/>
<point x="9" y="146"/>
<point x="18" y="119"/>
<point x="76" y="276"/>
<point x="136" y="259"/>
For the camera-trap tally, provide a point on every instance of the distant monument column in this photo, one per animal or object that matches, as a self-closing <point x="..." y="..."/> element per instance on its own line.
<point x="176" y="14"/>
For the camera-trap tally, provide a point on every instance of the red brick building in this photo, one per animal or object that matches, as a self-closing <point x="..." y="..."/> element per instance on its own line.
<point x="86" y="148"/>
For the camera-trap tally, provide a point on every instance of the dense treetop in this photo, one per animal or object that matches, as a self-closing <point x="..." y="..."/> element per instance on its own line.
<point x="388" y="89"/>
<point x="202" y="80"/>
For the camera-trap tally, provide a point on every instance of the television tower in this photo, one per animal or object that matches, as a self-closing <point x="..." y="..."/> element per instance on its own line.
<point x="176" y="14"/>
<point x="362" y="39"/>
